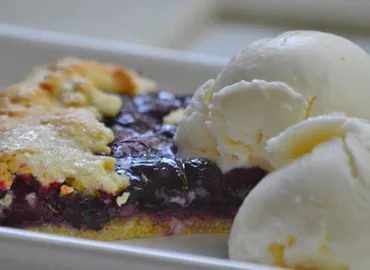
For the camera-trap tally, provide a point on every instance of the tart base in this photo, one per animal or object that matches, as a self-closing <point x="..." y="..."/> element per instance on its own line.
<point x="142" y="226"/>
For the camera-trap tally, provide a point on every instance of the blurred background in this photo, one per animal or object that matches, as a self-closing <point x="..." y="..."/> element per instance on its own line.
<point x="218" y="27"/>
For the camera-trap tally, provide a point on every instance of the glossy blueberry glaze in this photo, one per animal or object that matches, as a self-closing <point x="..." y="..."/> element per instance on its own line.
<point x="161" y="183"/>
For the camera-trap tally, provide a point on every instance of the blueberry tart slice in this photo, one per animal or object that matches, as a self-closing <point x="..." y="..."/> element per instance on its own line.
<point x="87" y="150"/>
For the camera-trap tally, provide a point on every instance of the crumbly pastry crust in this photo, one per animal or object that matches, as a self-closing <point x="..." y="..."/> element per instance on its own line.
<point x="142" y="226"/>
<point x="50" y="126"/>
<point x="50" y="129"/>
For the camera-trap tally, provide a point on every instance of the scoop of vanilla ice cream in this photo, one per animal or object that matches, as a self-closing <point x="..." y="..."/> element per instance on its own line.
<point x="238" y="117"/>
<point x="271" y="85"/>
<point x="313" y="212"/>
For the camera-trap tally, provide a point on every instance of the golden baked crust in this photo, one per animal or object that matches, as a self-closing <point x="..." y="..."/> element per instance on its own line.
<point x="142" y="226"/>
<point x="73" y="82"/>
<point x="49" y="124"/>
<point x="47" y="155"/>
<point x="111" y="78"/>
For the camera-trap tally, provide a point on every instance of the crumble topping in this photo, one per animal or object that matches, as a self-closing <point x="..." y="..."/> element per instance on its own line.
<point x="49" y="125"/>
<point x="6" y="201"/>
<point x="74" y="83"/>
<point x="80" y="125"/>
<point x="42" y="152"/>
<point x="64" y="190"/>
<point x="174" y="117"/>
<point x="6" y="179"/>
<point x="111" y="78"/>
<point x="121" y="200"/>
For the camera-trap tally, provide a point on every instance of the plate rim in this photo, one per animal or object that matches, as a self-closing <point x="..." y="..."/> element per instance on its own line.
<point x="34" y="35"/>
<point x="119" y="249"/>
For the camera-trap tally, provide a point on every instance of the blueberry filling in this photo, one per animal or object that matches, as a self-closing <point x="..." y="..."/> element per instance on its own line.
<point x="161" y="183"/>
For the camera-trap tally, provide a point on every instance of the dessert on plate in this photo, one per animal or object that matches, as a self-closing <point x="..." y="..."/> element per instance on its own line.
<point x="279" y="140"/>
<point x="87" y="150"/>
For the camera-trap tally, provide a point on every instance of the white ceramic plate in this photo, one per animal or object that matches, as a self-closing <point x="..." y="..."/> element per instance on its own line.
<point x="21" y="50"/>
